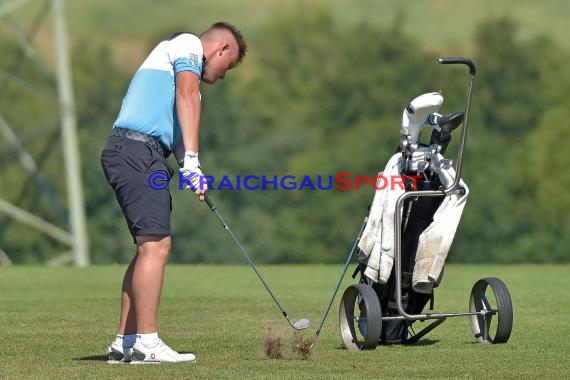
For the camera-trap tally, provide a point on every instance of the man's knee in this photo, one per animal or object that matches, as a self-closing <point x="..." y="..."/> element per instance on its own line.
<point x="158" y="245"/>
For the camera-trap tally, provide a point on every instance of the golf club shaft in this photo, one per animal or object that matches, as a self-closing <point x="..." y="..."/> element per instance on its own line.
<point x="348" y="258"/>
<point x="227" y="228"/>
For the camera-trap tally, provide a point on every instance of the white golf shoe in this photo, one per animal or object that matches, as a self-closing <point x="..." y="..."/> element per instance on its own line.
<point x="159" y="353"/>
<point x="118" y="354"/>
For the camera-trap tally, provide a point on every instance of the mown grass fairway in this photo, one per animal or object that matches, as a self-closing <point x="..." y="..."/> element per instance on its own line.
<point x="56" y="323"/>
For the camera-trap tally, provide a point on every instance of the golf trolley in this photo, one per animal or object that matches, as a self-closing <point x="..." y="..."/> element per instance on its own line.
<point x="383" y="312"/>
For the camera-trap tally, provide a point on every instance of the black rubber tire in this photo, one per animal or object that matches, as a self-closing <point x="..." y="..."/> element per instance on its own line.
<point x="501" y="303"/>
<point x="364" y="334"/>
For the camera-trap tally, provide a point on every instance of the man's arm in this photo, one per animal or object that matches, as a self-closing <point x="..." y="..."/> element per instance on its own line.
<point x="188" y="107"/>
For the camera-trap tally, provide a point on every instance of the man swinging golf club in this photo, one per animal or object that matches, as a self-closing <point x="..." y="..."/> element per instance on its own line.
<point x="160" y="115"/>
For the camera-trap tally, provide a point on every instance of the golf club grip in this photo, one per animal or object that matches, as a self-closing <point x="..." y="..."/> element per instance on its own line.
<point x="464" y="61"/>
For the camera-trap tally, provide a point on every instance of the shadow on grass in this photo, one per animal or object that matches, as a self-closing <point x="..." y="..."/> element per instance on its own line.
<point x="95" y="358"/>
<point x="422" y="342"/>
<point x="104" y="358"/>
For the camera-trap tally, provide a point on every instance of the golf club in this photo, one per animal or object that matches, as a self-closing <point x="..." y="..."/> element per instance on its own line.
<point x="350" y="254"/>
<point x="301" y="323"/>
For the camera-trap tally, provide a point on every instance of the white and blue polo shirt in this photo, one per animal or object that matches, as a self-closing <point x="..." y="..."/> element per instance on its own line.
<point x="149" y="106"/>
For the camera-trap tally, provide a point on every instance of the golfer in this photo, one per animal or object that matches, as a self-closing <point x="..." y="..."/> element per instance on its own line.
<point x="160" y="115"/>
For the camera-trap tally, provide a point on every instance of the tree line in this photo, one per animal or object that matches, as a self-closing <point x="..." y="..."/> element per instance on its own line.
<point x="312" y="99"/>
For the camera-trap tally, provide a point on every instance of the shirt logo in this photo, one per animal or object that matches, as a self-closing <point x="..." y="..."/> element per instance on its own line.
<point x="195" y="62"/>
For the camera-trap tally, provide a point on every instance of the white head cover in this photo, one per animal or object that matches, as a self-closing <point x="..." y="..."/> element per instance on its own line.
<point x="416" y="113"/>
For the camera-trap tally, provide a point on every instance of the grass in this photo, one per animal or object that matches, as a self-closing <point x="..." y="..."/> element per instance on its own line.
<point x="56" y="323"/>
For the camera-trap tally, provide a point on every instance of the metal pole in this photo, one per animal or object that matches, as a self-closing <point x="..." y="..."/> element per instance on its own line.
<point x="36" y="222"/>
<point x="69" y="137"/>
<point x="4" y="259"/>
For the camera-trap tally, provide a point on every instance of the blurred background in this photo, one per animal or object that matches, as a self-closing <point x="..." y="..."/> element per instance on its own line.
<point x="321" y="90"/>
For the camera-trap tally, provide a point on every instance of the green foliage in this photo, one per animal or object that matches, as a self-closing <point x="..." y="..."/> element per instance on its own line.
<point x="517" y="92"/>
<point x="314" y="98"/>
<point x="508" y="98"/>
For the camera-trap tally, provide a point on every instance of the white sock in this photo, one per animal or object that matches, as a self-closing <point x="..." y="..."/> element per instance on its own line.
<point x="119" y="339"/>
<point x="126" y="341"/>
<point x="148" y="340"/>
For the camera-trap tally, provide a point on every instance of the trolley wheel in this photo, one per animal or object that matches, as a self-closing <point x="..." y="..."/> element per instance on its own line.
<point x="360" y="318"/>
<point x="496" y="326"/>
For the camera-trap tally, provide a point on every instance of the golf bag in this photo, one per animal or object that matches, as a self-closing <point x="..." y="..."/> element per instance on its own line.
<point x="418" y="217"/>
<point x="421" y="167"/>
<point x="404" y="240"/>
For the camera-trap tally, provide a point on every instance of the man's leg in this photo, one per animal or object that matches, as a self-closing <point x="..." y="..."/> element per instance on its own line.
<point x="128" y="320"/>
<point x="146" y="281"/>
<point x="120" y="349"/>
<point x="147" y="278"/>
<point x="127" y="164"/>
<point x="140" y="296"/>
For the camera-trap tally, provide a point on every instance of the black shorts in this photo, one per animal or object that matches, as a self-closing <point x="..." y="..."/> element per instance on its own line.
<point x="128" y="166"/>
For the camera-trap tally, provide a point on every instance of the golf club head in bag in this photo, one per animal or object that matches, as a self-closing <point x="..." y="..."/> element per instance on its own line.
<point x="416" y="113"/>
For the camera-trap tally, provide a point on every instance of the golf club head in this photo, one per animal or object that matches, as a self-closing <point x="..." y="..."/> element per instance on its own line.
<point x="416" y="113"/>
<point x="302" y="324"/>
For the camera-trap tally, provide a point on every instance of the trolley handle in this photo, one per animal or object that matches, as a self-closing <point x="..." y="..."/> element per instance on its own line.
<point x="464" y="61"/>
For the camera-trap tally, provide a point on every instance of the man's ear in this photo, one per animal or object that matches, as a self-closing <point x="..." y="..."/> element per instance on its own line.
<point x="225" y="46"/>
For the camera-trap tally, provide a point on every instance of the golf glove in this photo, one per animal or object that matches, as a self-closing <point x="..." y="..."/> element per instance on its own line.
<point x="192" y="173"/>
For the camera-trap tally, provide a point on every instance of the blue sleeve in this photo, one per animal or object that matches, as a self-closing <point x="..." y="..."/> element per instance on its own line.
<point x="186" y="54"/>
